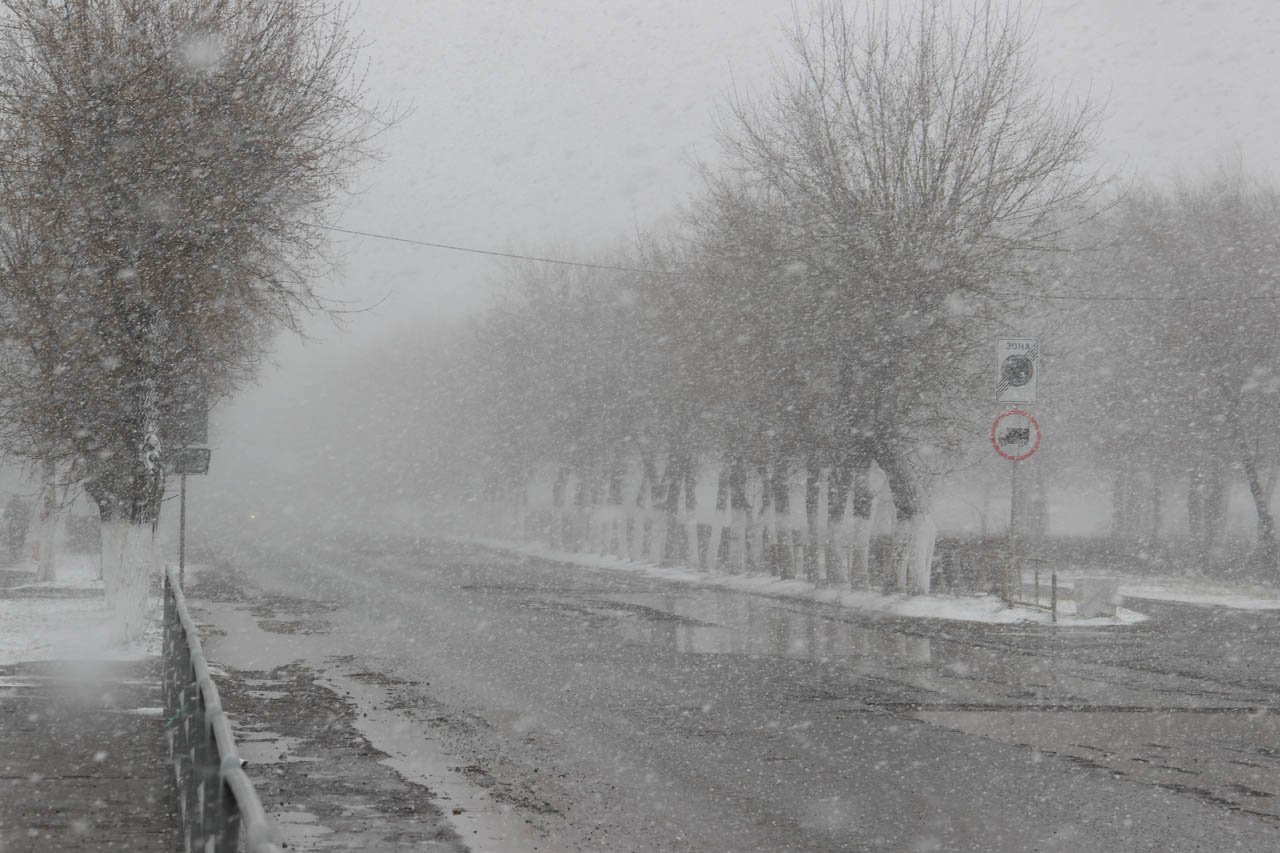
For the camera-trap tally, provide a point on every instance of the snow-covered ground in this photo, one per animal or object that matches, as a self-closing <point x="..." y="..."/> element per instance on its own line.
<point x="975" y="608"/>
<point x="240" y="642"/>
<point x="965" y="608"/>
<point x="63" y="620"/>
<point x="1193" y="591"/>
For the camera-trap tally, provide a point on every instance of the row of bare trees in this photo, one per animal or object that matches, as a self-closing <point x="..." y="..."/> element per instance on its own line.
<point x="1176" y="390"/>
<point x="165" y="170"/>
<point x="820" y="327"/>
<point x="825" y="313"/>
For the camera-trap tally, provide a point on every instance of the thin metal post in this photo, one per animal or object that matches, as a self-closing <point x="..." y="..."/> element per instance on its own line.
<point x="1014" y="574"/>
<point x="182" y="532"/>
<point x="1053" y="596"/>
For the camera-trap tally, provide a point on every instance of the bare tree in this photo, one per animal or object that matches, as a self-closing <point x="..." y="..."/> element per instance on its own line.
<point x="1197" y="347"/>
<point x="172" y="163"/>
<point x="918" y="163"/>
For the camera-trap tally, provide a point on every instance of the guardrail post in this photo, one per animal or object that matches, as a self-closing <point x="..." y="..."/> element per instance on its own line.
<point x="218" y="800"/>
<point x="206" y="767"/>
<point x="227" y="831"/>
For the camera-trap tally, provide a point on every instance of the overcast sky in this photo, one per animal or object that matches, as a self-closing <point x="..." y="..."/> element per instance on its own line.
<point x="560" y="126"/>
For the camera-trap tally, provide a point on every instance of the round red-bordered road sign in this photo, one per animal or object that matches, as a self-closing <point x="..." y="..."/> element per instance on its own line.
<point x="1015" y="435"/>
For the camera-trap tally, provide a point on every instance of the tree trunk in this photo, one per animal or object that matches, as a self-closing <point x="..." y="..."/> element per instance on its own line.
<point x="695" y="537"/>
<point x="46" y="543"/>
<point x="556" y="539"/>
<point x="721" y="532"/>
<point x="656" y="517"/>
<point x="128" y="487"/>
<point x="677" y="474"/>
<point x="1157" y="511"/>
<point x="614" y="519"/>
<point x="740" y="516"/>
<point x="642" y="532"/>
<point x="838" y="481"/>
<point x="781" y="563"/>
<point x="1126" y="504"/>
<point x="1266" y="555"/>
<point x="1038" y="528"/>
<point x="128" y="560"/>
<point x="761" y="553"/>
<point x="1206" y="509"/>
<point x="862" y="504"/>
<point x="812" y="496"/>
<point x="914" y="534"/>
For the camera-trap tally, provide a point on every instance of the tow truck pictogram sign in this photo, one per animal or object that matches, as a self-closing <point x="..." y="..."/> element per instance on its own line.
<point x="1015" y="435"/>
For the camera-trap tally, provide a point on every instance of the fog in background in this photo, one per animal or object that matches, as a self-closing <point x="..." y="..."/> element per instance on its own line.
<point x="563" y="128"/>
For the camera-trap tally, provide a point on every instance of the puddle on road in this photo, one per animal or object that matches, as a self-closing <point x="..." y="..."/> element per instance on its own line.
<point x="1121" y="727"/>
<point x="713" y="622"/>
<point x="978" y="669"/>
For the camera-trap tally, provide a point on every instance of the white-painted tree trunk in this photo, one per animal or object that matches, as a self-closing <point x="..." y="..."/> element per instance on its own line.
<point x="738" y="539"/>
<point x="46" y="550"/>
<point x="859" y="544"/>
<point x="913" y="541"/>
<point x="128" y="560"/>
<point x="607" y="525"/>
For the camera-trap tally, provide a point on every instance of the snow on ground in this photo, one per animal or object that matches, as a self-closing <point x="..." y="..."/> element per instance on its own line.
<point x="975" y="608"/>
<point x="412" y="749"/>
<point x="45" y="623"/>
<point x="1193" y="591"/>
<point x="75" y="571"/>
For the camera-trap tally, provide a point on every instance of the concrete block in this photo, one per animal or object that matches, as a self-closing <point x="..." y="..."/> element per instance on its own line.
<point x="1097" y="597"/>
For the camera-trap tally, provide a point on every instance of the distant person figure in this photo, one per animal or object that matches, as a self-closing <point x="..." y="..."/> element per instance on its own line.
<point x="17" y="520"/>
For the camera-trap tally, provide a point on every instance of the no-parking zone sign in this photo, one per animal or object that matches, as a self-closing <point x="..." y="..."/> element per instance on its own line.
<point x="1017" y="370"/>
<point x="1015" y="435"/>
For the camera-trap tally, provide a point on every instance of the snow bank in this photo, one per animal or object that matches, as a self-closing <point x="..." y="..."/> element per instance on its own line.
<point x="977" y="608"/>
<point x="1193" y="591"/>
<point x="75" y="571"/>
<point x="58" y="626"/>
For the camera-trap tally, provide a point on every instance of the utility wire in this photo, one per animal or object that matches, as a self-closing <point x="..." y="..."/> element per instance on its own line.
<point x="489" y="252"/>
<point x="1103" y="297"/>
<point x="1079" y="297"/>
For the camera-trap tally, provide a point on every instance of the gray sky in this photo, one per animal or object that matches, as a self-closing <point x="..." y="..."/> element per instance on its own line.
<point x="557" y="127"/>
<point x="561" y="126"/>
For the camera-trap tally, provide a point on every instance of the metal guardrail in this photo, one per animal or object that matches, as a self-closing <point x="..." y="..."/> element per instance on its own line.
<point x="221" y="812"/>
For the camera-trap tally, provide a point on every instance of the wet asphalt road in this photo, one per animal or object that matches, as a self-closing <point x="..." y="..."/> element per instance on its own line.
<point x="619" y="712"/>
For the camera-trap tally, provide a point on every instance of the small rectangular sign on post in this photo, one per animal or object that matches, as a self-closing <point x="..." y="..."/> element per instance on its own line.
<point x="190" y="460"/>
<point x="184" y="461"/>
<point x="1017" y="370"/>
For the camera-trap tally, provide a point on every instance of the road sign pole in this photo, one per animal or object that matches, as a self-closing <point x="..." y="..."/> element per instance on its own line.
<point x="1015" y="576"/>
<point x="1015" y="435"/>
<point x="182" y="531"/>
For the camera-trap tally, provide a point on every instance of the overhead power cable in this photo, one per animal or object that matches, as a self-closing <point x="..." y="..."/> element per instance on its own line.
<point x="1079" y="297"/>
<point x="489" y="252"/>
<point x="1107" y="297"/>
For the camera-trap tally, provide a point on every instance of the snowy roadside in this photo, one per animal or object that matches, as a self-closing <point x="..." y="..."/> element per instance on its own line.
<point x="972" y="608"/>
<point x="1184" y="590"/>
<point x="302" y="706"/>
<point x="976" y="608"/>
<point x="65" y="620"/>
